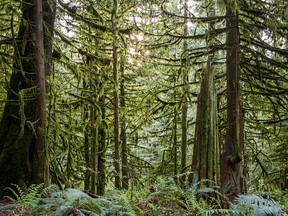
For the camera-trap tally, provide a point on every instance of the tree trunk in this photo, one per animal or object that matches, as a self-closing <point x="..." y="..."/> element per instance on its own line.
<point x="39" y="154"/>
<point x="116" y="106"/>
<point x="123" y="138"/>
<point x="204" y="162"/>
<point x="87" y="175"/>
<point x="102" y="150"/>
<point x="22" y="159"/>
<point x="185" y="98"/>
<point x="94" y="144"/>
<point x="232" y="180"/>
<point x="174" y="135"/>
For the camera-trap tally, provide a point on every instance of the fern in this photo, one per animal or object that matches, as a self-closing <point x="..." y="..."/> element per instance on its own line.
<point x="27" y="200"/>
<point x="258" y="205"/>
<point x="75" y="202"/>
<point x="227" y="212"/>
<point x="89" y="204"/>
<point x="118" y="203"/>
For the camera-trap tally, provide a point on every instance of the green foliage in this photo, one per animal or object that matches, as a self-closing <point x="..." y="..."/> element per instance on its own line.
<point x="26" y="200"/>
<point x="154" y="92"/>
<point x="280" y="196"/>
<point x="72" y="201"/>
<point x="165" y="197"/>
<point x="257" y="205"/>
<point x="251" y="205"/>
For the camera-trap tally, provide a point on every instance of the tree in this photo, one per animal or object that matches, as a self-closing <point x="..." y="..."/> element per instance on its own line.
<point x="39" y="164"/>
<point x="124" y="82"/>
<point x="123" y="135"/>
<point x="117" y="174"/>
<point x="206" y="153"/>
<point x="232" y="179"/>
<point x="22" y="127"/>
<point x="263" y="65"/>
<point x="185" y="80"/>
<point x="102" y="150"/>
<point x="206" y="150"/>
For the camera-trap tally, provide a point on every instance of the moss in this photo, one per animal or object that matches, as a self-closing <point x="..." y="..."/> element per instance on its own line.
<point x="14" y="159"/>
<point x="15" y="136"/>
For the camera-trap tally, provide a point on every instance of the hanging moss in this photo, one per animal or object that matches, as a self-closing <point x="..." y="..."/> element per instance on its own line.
<point x="17" y="132"/>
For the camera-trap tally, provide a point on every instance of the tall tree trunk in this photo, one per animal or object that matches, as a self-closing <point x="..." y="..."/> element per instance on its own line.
<point x="39" y="154"/>
<point x="123" y="138"/>
<point x="204" y="162"/>
<point x="116" y="122"/>
<point x="185" y="97"/>
<point x="101" y="180"/>
<point x="20" y="147"/>
<point x="94" y="144"/>
<point x="69" y="163"/>
<point x="232" y="156"/>
<point x="174" y="134"/>
<point x="116" y="102"/>
<point x="87" y="175"/>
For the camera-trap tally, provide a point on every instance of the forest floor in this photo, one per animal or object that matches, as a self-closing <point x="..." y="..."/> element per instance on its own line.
<point x="164" y="200"/>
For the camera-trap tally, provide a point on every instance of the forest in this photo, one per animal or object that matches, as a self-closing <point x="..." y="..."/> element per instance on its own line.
<point x="152" y="107"/>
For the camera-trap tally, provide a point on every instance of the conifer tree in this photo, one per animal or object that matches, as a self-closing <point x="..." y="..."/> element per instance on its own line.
<point x="22" y="127"/>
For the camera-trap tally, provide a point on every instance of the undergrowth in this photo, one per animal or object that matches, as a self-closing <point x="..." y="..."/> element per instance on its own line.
<point x="162" y="198"/>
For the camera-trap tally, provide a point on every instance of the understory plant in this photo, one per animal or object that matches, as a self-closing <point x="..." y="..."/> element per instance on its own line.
<point x="251" y="205"/>
<point x="56" y="202"/>
<point x="165" y="197"/>
<point x="257" y="205"/>
<point x="25" y="200"/>
<point x="162" y="198"/>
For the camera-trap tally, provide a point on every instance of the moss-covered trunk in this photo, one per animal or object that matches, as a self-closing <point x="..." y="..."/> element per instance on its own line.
<point x="205" y="162"/>
<point x="101" y="177"/>
<point x="206" y="153"/>
<point x="184" y="110"/>
<point x="123" y="136"/>
<point x="117" y="172"/>
<point x="232" y="179"/>
<point x="18" y="122"/>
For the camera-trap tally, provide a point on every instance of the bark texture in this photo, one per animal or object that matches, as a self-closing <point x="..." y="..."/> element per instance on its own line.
<point x="18" y="146"/>
<point x="123" y="137"/>
<point x="206" y="154"/>
<point x="232" y="179"/>
<point x="116" y="116"/>
<point x="205" y="161"/>
<point x="39" y="154"/>
<point x="101" y="177"/>
<point x="184" y="111"/>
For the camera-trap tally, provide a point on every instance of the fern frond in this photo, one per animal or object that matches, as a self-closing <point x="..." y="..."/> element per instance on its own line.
<point x="227" y="212"/>
<point x="26" y="200"/>
<point x="17" y="192"/>
<point x="258" y="205"/>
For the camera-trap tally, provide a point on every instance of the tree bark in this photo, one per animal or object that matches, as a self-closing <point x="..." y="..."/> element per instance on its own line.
<point x="21" y="129"/>
<point x="185" y="99"/>
<point x="94" y="146"/>
<point x="204" y="162"/>
<point x="102" y="150"/>
<point x="87" y="175"/>
<point x="232" y="180"/>
<point x="123" y="137"/>
<point x="39" y="154"/>
<point x="174" y="135"/>
<point x="116" y="110"/>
